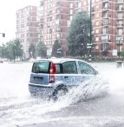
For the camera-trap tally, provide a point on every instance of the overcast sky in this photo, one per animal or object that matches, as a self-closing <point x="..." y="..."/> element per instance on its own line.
<point x="8" y="16"/>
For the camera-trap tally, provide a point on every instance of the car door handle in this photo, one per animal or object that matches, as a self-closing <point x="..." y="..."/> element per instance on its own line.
<point x="65" y="76"/>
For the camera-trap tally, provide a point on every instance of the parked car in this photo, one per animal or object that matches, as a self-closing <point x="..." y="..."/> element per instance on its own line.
<point x="1" y="61"/>
<point x="53" y="77"/>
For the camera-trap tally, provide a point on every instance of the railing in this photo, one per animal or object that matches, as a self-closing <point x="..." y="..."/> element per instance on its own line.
<point x="120" y="25"/>
<point x="105" y="37"/>
<point x="120" y="9"/>
<point x="120" y="1"/>
<point x="120" y="17"/>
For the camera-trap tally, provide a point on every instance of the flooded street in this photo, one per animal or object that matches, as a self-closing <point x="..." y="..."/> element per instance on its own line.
<point x="19" y="109"/>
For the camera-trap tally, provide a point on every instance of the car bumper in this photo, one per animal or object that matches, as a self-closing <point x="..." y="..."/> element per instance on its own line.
<point x="41" y="90"/>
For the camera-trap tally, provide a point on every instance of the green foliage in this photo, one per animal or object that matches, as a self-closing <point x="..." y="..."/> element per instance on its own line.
<point x="41" y="50"/>
<point x="32" y="51"/>
<point x="11" y="50"/>
<point x="79" y="34"/>
<point x="3" y="51"/>
<point x="18" y="48"/>
<point x="56" y="49"/>
<point x="122" y="54"/>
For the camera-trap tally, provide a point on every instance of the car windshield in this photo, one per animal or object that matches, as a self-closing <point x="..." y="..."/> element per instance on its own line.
<point x="61" y="63"/>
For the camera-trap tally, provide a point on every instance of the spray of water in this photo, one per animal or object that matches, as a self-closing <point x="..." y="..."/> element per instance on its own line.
<point x="92" y="88"/>
<point x="32" y="111"/>
<point x="29" y="110"/>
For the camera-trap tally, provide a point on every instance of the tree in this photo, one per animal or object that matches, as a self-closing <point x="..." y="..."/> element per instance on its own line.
<point x="41" y="50"/>
<point x="18" y="48"/>
<point x="11" y="50"/>
<point x="122" y="53"/>
<point x="56" y="49"/>
<point x="3" y="51"/>
<point x="14" y="49"/>
<point x="32" y="50"/>
<point x="79" y="34"/>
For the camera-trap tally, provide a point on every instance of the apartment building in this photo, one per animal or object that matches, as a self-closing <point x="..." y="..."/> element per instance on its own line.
<point x="27" y="27"/>
<point x="108" y="26"/>
<point x="56" y="17"/>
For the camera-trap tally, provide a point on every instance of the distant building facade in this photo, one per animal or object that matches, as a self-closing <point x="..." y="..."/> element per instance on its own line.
<point x="108" y="26"/>
<point x="107" y="18"/>
<point x="27" y="27"/>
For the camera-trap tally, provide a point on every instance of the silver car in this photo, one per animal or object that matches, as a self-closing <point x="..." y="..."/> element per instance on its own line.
<point x="54" y="76"/>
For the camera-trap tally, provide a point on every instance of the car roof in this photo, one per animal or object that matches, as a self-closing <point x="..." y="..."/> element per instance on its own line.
<point x="60" y="60"/>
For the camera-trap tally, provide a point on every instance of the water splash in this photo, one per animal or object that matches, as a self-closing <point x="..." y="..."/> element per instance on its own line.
<point x="89" y="89"/>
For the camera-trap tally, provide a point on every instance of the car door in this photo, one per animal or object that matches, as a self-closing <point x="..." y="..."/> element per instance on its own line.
<point x="69" y="73"/>
<point x="86" y="71"/>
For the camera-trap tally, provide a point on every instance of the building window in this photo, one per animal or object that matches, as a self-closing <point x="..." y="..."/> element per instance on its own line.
<point x="71" y="18"/>
<point x="57" y="16"/>
<point x="57" y="22"/>
<point x="120" y="23"/>
<point x="120" y="15"/>
<point x="105" y="30"/>
<point x="97" y="23"/>
<point x="120" y="31"/>
<point x="57" y="3"/>
<point x="97" y="31"/>
<point x="71" y="5"/>
<point x="97" y="38"/>
<point x="97" y="7"/>
<point x="97" y="15"/>
<point x="84" y="3"/>
<point x="105" y="14"/>
<point x="120" y="7"/>
<point x="71" y="12"/>
<point x="79" y="5"/>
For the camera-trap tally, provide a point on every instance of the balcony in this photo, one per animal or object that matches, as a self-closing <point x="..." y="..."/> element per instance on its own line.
<point x="105" y="41"/>
<point x="120" y="1"/>
<point x="120" y="25"/>
<point x="120" y="17"/>
<point x="119" y="39"/>
<point x="105" y="1"/>
<point x="120" y="9"/>
<point x="105" y="22"/>
<point x="105" y="37"/>
<point x="105" y="7"/>
<point x="105" y="16"/>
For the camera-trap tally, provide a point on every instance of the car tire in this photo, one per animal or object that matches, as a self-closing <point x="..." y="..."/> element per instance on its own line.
<point x="59" y="91"/>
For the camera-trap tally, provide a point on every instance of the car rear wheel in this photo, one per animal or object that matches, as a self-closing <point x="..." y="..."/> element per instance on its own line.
<point x="59" y="92"/>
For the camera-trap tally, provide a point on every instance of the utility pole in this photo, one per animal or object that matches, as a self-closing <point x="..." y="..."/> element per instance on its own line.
<point x="89" y="45"/>
<point x="90" y="21"/>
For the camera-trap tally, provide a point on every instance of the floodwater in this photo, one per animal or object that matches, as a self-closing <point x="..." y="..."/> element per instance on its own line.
<point x="102" y="106"/>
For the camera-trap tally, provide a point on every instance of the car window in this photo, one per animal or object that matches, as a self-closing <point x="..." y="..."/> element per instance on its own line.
<point x="41" y="67"/>
<point x="69" y="67"/>
<point x="85" y="68"/>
